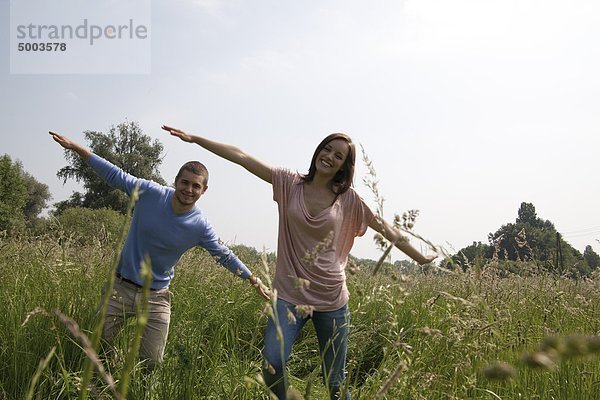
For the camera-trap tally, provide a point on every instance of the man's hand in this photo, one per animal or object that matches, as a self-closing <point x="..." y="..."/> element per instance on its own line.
<point x="62" y="140"/>
<point x="178" y="133"/>
<point x="264" y="291"/>
<point x="261" y="288"/>
<point x="68" y="144"/>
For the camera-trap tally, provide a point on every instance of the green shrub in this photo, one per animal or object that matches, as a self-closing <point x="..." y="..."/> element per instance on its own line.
<point x="87" y="226"/>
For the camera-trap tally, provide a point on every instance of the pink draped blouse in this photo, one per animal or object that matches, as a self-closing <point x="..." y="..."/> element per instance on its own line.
<point x="312" y="250"/>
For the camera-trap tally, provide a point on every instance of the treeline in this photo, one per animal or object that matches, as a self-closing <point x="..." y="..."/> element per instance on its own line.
<point x="529" y="241"/>
<point x="22" y="197"/>
<point x="97" y="213"/>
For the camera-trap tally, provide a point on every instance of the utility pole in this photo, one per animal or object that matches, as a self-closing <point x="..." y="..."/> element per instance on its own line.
<point x="559" y="255"/>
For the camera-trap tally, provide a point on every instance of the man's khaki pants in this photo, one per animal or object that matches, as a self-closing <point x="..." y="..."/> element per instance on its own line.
<point x="123" y="303"/>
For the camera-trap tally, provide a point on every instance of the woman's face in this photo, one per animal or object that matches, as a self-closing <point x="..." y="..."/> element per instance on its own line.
<point x="331" y="157"/>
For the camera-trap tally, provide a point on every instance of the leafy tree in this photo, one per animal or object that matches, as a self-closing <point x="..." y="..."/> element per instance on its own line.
<point x="406" y="266"/>
<point x="529" y="238"/>
<point x="472" y="253"/>
<point x="525" y="242"/>
<point x="522" y="241"/>
<point x="38" y="195"/>
<point x="591" y="257"/>
<point x="532" y="238"/>
<point x="528" y="216"/>
<point x="13" y="195"/>
<point x="88" y="227"/>
<point x="127" y="147"/>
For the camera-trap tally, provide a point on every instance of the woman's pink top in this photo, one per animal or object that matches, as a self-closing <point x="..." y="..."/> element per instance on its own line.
<point x="315" y="248"/>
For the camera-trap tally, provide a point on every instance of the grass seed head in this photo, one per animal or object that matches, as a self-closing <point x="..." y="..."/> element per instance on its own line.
<point x="576" y="346"/>
<point x="305" y="310"/>
<point x="553" y="344"/>
<point x="294" y="394"/>
<point x="291" y="317"/>
<point x="539" y="359"/>
<point x="269" y="368"/>
<point x="268" y="310"/>
<point x="499" y="371"/>
<point x="301" y="283"/>
<point x="427" y="331"/>
<point x="594" y="344"/>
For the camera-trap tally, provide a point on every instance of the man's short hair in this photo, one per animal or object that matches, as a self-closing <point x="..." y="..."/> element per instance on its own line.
<point x="196" y="168"/>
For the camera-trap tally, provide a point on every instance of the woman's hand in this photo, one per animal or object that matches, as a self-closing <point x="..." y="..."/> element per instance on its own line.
<point x="428" y="259"/>
<point x="226" y="151"/>
<point x="178" y="133"/>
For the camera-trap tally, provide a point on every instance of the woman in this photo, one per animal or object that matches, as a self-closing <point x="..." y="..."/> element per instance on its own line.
<point x="319" y="217"/>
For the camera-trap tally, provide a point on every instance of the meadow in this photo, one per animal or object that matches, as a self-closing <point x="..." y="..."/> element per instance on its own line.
<point x="480" y="334"/>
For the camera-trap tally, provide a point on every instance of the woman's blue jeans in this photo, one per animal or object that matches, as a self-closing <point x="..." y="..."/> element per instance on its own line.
<point x="332" y="333"/>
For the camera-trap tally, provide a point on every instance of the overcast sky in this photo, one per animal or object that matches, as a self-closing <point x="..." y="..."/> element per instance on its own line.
<point x="466" y="108"/>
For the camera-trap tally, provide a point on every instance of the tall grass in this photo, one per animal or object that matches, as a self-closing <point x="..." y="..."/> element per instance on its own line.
<point x="482" y="334"/>
<point x="412" y="337"/>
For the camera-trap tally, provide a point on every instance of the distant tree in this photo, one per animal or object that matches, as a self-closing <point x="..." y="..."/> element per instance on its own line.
<point x="367" y="264"/>
<point x="527" y="214"/>
<point x="88" y="227"/>
<point x="470" y="254"/>
<point x="591" y="257"/>
<point x="529" y="238"/>
<point x="38" y="196"/>
<point x="127" y="147"/>
<point x="251" y="256"/>
<point x="407" y="266"/>
<point x="13" y="195"/>
<point x="522" y="241"/>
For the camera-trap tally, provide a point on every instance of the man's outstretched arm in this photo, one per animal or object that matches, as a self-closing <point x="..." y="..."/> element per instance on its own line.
<point x="112" y="175"/>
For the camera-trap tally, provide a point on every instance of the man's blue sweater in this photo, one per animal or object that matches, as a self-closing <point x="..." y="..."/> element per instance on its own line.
<point x="157" y="231"/>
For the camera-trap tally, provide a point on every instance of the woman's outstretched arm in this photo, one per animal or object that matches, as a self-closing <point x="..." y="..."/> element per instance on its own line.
<point x="401" y="242"/>
<point x="228" y="152"/>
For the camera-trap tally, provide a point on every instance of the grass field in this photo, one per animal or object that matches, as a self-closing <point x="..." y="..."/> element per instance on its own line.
<point x="427" y="336"/>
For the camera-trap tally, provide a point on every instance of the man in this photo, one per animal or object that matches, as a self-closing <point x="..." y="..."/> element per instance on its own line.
<point x="166" y="223"/>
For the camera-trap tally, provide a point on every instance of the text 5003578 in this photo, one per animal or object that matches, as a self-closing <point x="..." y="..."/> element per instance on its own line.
<point x="43" y="46"/>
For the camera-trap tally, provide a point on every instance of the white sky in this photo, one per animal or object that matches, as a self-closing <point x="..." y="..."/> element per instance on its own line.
<point x="467" y="108"/>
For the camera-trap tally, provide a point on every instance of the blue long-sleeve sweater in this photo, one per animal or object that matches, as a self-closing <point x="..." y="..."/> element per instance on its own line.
<point x="156" y="230"/>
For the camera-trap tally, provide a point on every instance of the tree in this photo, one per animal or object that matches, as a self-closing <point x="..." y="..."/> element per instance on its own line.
<point x="522" y="241"/>
<point x="88" y="227"/>
<point x="22" y="197"/>
<point x="38" y="195"/>
<point x="527" y="214"/>
<point x="13" y="195"/>
<point x="127" y="147"/>
<point x="530" y="238"/>
<point x="591" y="257"/>
<point x="472" y="254"/>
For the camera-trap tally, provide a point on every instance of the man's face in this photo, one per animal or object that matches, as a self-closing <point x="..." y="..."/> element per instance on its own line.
<point x="188" y="188"/>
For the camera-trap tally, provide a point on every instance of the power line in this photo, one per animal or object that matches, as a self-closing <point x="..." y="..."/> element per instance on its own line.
<point x="580" y="235"/>
<point x="583" y="230"/>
